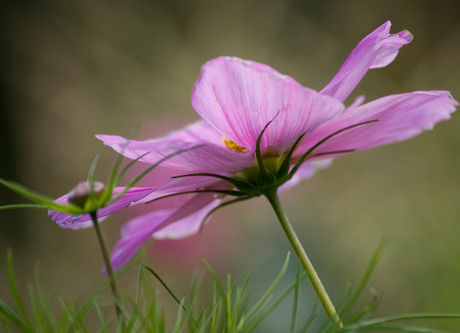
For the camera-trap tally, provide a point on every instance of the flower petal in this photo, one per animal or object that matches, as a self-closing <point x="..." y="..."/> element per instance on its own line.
<point x="376" y="50"/>
<point x="187" y="184"/>
<point x="137" y="231"/>
<point x="400" y="117"/>
<point x="66" y="221"/>
<point x="239" y="98"/>
<point x="196" y="132"/>
<point x="209" y="153"/>
<point x="141" y="229"/>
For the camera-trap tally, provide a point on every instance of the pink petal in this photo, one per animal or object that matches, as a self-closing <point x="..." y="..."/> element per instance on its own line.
<point x="186" y="184"/>
<point x="376" y="50"/>
<point x="137" y="231"/>
<point x="189" y="225"/>
<point x="400" y="117"/>
<point x="207" y="155"/>
<point x="238" y="98"/>
<point x="196" y="132"/>
<point x="132" y="196"/>
<point x="141" y="230"/>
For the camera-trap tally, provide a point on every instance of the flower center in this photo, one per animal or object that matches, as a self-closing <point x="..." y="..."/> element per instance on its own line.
<point x="233" y="146"/>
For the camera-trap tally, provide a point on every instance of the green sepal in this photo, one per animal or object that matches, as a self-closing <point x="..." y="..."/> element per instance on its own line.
<point x="262" y="171"/>
<point x="284" y="168"/>
<point x="268" y="180"/>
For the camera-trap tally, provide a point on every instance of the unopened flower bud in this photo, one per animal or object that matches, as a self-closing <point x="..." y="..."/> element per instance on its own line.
<point x="80" y="193"/>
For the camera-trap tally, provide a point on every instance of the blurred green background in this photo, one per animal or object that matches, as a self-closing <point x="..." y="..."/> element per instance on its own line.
<point x="72" y="69"/>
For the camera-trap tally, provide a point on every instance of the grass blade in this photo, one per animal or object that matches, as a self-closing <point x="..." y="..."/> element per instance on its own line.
<point x="40" y="199"/>
<point x="295" y="300"/>
<point x="151" y="271"/>
<point x="14" y="290"/>
<point x="9" y="314"/>
<point x="271" y="288"/>
<point x="365" y="279"/>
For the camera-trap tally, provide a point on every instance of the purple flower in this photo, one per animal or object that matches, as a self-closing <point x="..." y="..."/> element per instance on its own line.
<point x="252" y="116"/>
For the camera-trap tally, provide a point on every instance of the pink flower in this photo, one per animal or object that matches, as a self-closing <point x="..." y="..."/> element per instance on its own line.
<point x="261" y="130"/>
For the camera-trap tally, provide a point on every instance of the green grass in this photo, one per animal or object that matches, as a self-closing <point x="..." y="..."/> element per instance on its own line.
<point x="228" y="310"/>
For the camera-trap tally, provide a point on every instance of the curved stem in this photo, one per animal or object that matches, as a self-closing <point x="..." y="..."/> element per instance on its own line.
<point x="108" y="265"/>
<point x="306" y="263"/>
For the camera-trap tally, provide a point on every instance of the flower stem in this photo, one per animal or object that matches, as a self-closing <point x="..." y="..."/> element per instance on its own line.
<point x="108" y="265"/>
<point x="312" y="275"/>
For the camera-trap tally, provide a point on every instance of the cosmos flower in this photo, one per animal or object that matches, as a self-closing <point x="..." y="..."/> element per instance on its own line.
<point x="261" y="131"/>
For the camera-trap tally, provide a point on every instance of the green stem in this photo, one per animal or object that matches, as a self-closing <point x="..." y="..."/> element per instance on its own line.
<point x="295" y="242"/>
<point x="108" y="265"/>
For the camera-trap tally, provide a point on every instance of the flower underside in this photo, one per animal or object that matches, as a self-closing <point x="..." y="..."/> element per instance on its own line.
<point x="270" y="172"/>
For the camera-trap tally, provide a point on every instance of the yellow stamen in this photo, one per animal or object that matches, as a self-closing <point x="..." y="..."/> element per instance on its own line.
<point x="233" y="146"/>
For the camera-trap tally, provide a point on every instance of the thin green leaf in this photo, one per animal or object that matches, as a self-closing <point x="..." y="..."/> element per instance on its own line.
<point x="151" y="271"/>
<point x="12" y="316"/>
<point x="365" y="279"/>
<point x="367" y="309"/>
<point x="44" y="302"/>
<point x="14" y="290"/>
<point x="272" y="287"/>
<point x="92" y="169"/>
<point x="100" y="315"/>
<point x="36" y="310"/>
<point x="180" y="322"/>
<point x="295" y="300"/>
<point x="215" y="314"/>
<point x="404" y="328"/>
<point x="70" y="318"/>
<point x="310" y="320"/>
<point x="21" y="206"/>
<point x="216" y="278"/>
<point x="41" y="199"/>
<point x="240" y="303"/>
<point x="267" y="309"/>
<point x="415" y="316"/>
<point x="228" y="305"/>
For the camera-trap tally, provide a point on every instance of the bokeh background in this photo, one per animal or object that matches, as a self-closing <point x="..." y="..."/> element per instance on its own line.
<point x="72" y="69"/>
